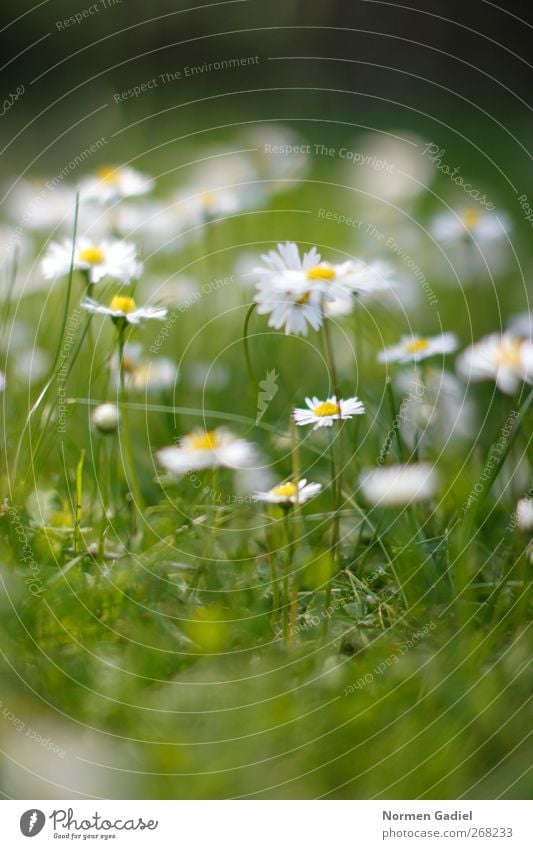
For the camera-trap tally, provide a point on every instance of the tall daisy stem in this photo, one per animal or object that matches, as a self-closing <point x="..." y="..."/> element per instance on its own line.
<point x="131" y="476"/>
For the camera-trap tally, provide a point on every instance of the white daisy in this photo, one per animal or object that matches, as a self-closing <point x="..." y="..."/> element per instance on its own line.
<point x="524" y="514"/>
<point x="324" y="413"/>
<point x="289" y="493"/>
<point x="481" y="225"/>
<point x="412" y="349"/>
<point x="285" y="269"/>
<point x="505" y="358"/>
<point x="123" y="307"/>
<point x="112" y="183"/>
<point x="399" y="485"/>
<point x="108" y="258"/>
<point x="207" y="450"/>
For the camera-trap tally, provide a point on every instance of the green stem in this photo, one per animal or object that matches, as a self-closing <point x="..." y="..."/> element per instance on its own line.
<point x="287" y="509"/>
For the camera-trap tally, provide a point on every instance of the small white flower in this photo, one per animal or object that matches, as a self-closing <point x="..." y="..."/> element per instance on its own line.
<point x="289" y="493"/>
<point x="481" y="225"/>
<point x="524" y="514"/>
<point x="106" y="418"/>
<point x="108" y="258"/>
<point x="412" y="349"/>
<point x="2" y="381"/>
<point x="324" y="413"/>
<point x="505" y="358"/>
<point x="399" y="485"/>
<point x="207" y="450"/>
<point x="125" y="308"/>
<point x="112" y="183"/>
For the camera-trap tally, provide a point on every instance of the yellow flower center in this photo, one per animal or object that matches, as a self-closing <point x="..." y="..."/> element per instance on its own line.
<point x="510" y="353"/>
<point x="206" y="441"/>
<point x="470" y="218"/>
<point x="417" y="345"/>
<point x="320" y="273"/>
<point x="123" y="303"/>
<point x="327" y="408"/>
<point x="93" y="255"/>
<point x="285" y="490"/>
<point x="108" y="174"/>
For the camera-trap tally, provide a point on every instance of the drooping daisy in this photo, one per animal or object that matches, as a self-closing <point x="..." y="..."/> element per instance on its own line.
<point x="108" y="258"/>
<point x="209" y="449"/>
<point x="399" y="485"/>
<point x="479" y="224"/>
<point x="124" y="308"/>
<point x="112" y="183"/>
<point x="505" y="358"/>
<point x="412" y="349"/>
<point x="324" y="413"/>
<point x="289" y="493"/>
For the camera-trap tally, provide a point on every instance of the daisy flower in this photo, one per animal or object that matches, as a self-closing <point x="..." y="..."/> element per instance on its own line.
<point x="289" y="493"/>
<point x="414" y="348"/>
<point x="505" y="358"/>
<point x="324" y="413"/>
<point x="483" y="226"/>
<point x="124" y="308"/>
<point x="398" y="485"/>
<point x="112" y="183"/>
<point x="108" y="258"/>
<point x="207" y="449"/>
